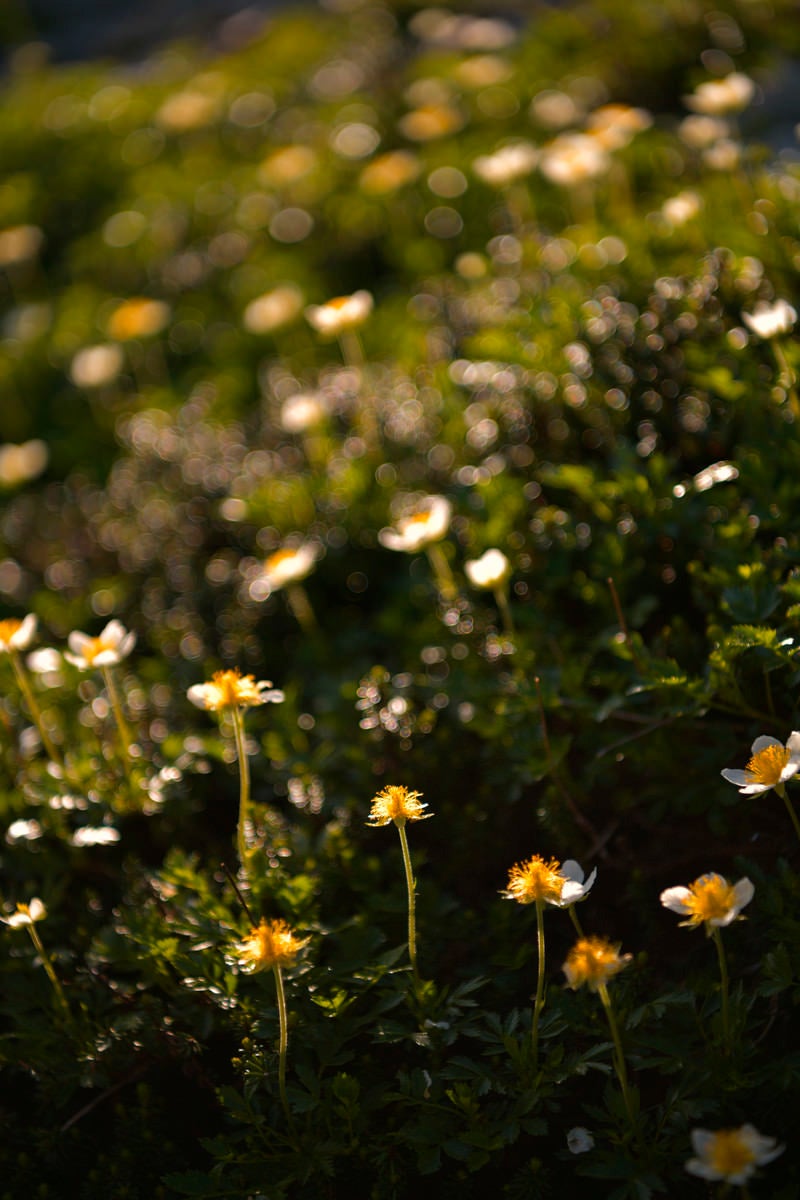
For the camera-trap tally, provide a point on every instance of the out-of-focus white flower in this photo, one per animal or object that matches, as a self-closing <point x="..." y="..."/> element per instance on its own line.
<point x="573" y="158"/>
<point x="430" y="121"/>
<point x="285" y="566"/>
<point x="16" y="634"/>
<point x="96" y="366"/>
<point x="724" y="155"/>
<point x="189" y="109"/>
<point x="770" y="765"/>
<point x="19" y="244"/>
<point x="340" y="314"/>
<point x="710" y="900"/>
<point x="274" y="309"/>
<point x="302" y="412"/>
<point x="491" y="570"/>
<point x="721" y="472"/>
<point x="771" y="320"/>
<point x="716" y="97"/>
<point x="18" y="464"/>
<point x="428" y="524"/>
<point x="113" y="644"/>
<point x="287" y="165"/>
<point x="388" y="172"/>
<point x="579" y="1140"/>
<point x="699" y="131"/>
<point x="26" y="914"/>
<point x="538" y="880"/>
<point x="23" y="831"/>
<point x="554" y="110"/>
<point x="231" y="689"/>
<point x="508" y="163"/>
<point x="681" y="208"/>
<point x="615" y="125"/>
<point x="730" y="1154"/>
<point x="99" y="835"/>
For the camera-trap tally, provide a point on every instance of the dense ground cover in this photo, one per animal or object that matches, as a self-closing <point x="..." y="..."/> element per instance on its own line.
<point x="562" y="263"/>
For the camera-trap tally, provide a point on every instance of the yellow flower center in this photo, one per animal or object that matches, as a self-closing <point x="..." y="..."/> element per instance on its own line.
<point x="94" y="647"/>
<point x="593" y="960"/>
<point x="272" y="944"/>
<point x="279" y="557"/>
<point x="7" y="630"/>
<point x="535" y="880"/>
<point x="767" y="765"/>
<point x="338" y="302"/>
<point x="710" y="898"/>
<point x="233" y="689"/>
<point x="420" y="518"/>
<point x="396" y="803"/>
<point x="729" y="1154"/>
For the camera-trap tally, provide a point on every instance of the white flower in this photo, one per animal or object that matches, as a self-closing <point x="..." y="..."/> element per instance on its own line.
<point x="26" y="914"/>
<point x="718" y="96"/>
<point x="730" y="1154"/>
<point x="770" y="766"/>
<point x="231" y="689"/>
<point x="340" y="314"/>
<point x="576" y="885"/>
<point x="681" y="208"/>
<point x="113" y="644"/>
<point x="273" y="309"/>
<point x="18" y="464"/>
<point x="579" y="1140"/>
<point x="614" y="125"/>
<point x="90" y="835"/>
<point x="770" y="320"/>
<point x="23" y="831"/>
<point x="428" y="524"/>
<point x="302" y="412"/>
<point x="46" y="663"/>
<point x="491" y="570"/>
<point x="698" y="132"/>
<point x="96" y="366"/>
<point x="710" y="900"/>
<point x="285" y="566"/>
<point x="573" y="158"/>
<point x="17" y="635"/>
<point x="510" y="162"/>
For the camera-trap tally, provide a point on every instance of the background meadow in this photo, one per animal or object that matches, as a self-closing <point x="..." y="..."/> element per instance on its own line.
<point x="574" y="264"/>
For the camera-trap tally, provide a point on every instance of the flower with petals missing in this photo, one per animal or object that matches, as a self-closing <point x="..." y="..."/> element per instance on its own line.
<point x="538" y="880"/>
<point x="398" y="804"/>
<point x="340" y="314"/>
<point x="771" y="320"/>
<point x="593" y="961"/>
<point x="428" y="524"/>
<point x="15" y="634"/>
<point x="491" y="570"/>
<point x="710" y="900"/>
<point x="731" y="1155"/>
<point x="288" y="565"/>
<point x="770" y="765"/>
<point x="113" y="644"/>
<point x="26" y="914"/>
<point x="271" y="944"/>
<point x="232" y="690"/>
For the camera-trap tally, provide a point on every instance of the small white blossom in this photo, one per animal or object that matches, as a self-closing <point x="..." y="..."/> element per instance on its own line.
<point x="731" y="1155"/>
<point x="710" y="900"/>
<point x="113" y="644"/>
<point x="26" y="914"/>
<point x="16" y="634"/>
<point x="428" y="524"/>
<point x="579" y="1140"/>
<point x="771" y="320"/>
<point x="340" y="314"/>
<point x="23" y="831"/>
<point x="770" y="765"/>
<point x="491" y="570"/>
<point x="285" y="566"/>
<point x="716" y="97"/>
<point x="99" y="835"/>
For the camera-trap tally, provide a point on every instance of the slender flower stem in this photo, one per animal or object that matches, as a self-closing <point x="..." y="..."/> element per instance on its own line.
<point x="244" y="786"/>
<point x="538" y="1003"/>
<point x="412" y="924"/>
<point x="501" y="599"/>
<point x="284" y="1040"/>
<point x="723" y="973"/>
<point x="301" y="608"/>
<point x="781" y="790"/>
<point x="619" y="1057"/>
<point x="47" y="963"/>
<point x="119" y="716"/>
<point x="575" y="921"/>
<point x="33" y="708"/>
<point x="441" y="571"/>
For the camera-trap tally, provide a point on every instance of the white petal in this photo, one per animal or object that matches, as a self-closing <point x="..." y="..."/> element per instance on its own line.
<point x="764" y="742"/>
<point x="78" y="642"/>
<point x="198" y="694"/>
<point x="674" y="898"/>
<point x="572" y="870"/>
<point x="744" y="892"/>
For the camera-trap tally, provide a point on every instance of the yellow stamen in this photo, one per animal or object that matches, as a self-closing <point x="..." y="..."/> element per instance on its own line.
<point x="534" y="880"/>
<point x="729" y="1154"/>
<point x="94" y="647"/>
<point x="279" y="557"/>
<point x="8" y="628"/>
<point x="767" y="766"/>
<point x="710" y="898"/>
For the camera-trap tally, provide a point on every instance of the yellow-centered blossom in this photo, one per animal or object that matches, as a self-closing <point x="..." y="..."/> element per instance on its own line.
<point x="271" y="944"/>
<point x="398" y="804"/>
<point x="710" y="900"/>
<point x="109" y="648"/>
<point x="593" y="961"/>
<point x="16" y="634"/>
<point x="731" y="1155"/>
<point x="549" y="881"/>
<point x="770" y="765"/>
<point x="232" y="690"/>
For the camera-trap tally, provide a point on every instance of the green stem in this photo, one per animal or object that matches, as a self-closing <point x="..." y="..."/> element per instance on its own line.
<point x="501" y="599"/>
<point x="119" y="716"/>
<point x="441" y="571"/>
<point x="619" y="1057"/>
<point x="723" y="972"/>
<point x="781" y="790"/>
<point x="33" y="708"/>
<point x="284" y="1040"/>
<point x="538" y="1003"/>
<point x="575" y="921"/>
<point x="412" y="925"/>
<point x="301" y="608"/>
<point x="244" y="787"/>
<point x="61" y="999"/>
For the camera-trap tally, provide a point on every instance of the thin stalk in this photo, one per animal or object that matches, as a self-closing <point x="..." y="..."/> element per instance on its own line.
<point x="441" y="572"/>
<point x="119" y="716"/>
<point x="538" y="1003"/>
<point x="575" y="921"/>
<point x="504" y="608"/>
<point x="47" y="963"/>
<point x="301" y="608"/>
<point x="723" y="987"/>
<point x="33" y="708"/>
<point x="284" y="1039"/>
<point x="412" y="920"/>
<point x="781" y="790"/>
<point x="619" y="1057"/>
<point x="244" y="787"/>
